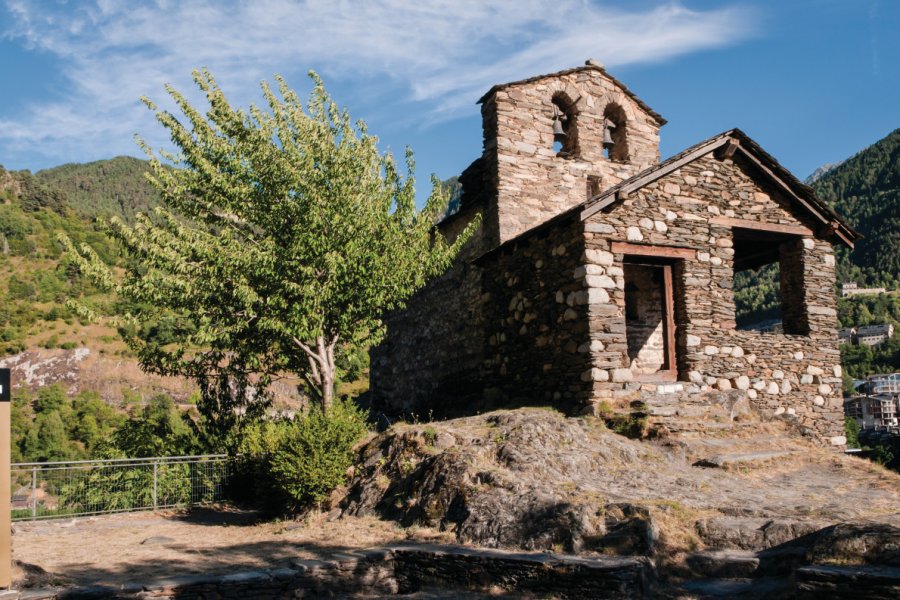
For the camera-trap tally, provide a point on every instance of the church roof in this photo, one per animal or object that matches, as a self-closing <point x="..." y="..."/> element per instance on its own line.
<point x="728" y="143"/>
<point x="590" y="65"/>
<point x="731" y="141"/>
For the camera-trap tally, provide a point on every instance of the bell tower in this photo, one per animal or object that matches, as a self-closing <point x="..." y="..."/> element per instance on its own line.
<point x="551" y="140"/>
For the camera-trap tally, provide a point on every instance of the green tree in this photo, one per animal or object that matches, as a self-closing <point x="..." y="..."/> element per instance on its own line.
<point x="52" y="440"/>
<point x="51" y="398"/>
<point x="283" y="237"/>
<point x="160" y="429"/>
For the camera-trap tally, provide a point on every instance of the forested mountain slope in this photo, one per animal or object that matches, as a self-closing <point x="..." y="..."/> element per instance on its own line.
<point x="105" y="187"/>
<point x="865" y="189"/>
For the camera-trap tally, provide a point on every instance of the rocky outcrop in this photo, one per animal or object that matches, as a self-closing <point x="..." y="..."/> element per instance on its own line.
<point x="535" y="479"/>
<point x="795" y="521"/>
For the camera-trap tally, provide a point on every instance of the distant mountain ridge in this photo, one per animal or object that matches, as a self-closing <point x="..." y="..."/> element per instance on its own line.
<point x="821" y="172"/>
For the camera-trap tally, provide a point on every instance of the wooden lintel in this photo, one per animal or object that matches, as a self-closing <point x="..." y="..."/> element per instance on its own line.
<point x="727" y="150"/>
<point x="657" y="251"/>
<point x="758" y="226"/>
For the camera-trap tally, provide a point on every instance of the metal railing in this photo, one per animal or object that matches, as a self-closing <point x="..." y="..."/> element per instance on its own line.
<point x="90" y="487"/>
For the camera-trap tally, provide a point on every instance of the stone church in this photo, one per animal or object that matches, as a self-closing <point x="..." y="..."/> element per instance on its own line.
<point x="602" y="275"/>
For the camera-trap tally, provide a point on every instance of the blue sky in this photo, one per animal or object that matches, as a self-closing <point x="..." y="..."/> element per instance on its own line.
<point x="813" y="81"/>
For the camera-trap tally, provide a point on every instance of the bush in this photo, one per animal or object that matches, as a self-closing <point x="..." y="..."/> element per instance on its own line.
<point x="315" y="452"/>
<point x="851" y="431"/>
<point x="297" y="463"/>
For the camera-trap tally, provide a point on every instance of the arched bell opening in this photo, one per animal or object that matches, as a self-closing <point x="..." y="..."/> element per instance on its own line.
<point x="615" y="133"/>
<point x="565" y="126"/>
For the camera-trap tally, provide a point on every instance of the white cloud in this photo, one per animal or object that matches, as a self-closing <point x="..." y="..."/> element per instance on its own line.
<point x="440" y="55"/>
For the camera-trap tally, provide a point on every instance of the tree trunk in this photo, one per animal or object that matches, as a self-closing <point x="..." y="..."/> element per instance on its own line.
<point x="322" y="370"/>
<point x="326" y="364"/>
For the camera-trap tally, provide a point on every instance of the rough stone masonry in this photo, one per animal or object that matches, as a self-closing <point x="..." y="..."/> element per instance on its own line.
<point x="602" y="274"/>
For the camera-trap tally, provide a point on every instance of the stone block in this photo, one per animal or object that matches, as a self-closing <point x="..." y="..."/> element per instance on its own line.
<point x="633" y="234"/>
<point x="597" y="296"/>
<point x="600" y="281"/>
<point x="599" y="257"/>
<point x="622" y="375"/>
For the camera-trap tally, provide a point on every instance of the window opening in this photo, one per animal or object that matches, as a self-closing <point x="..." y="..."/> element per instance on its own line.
<point x="768" y="282"/>
<point x="650" y="318"/>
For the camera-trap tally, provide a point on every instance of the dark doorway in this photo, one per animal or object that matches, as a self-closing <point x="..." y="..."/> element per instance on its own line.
<point x="650" y="319"/>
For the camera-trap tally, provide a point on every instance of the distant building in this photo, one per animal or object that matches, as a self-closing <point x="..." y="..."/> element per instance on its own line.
<point x="872" y="335"/>
<point x="847" y="335"/>
<point x="852" y="289"/>
<point x="873" y="412"/>
<point x="883" y="384"/>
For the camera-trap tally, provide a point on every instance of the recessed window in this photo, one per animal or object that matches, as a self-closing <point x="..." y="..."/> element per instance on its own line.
<point x="768" y="282"/>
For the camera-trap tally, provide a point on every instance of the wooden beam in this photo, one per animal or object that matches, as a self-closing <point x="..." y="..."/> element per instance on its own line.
<point x="655" y="251"/>
<point x="727" y="150"/>
<point x="759" y="226"/>
<point x="662" y="376"/>
<point x="669" y="318"/>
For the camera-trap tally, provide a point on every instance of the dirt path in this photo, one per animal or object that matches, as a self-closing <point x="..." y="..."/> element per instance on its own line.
<point x="148" y="546"/>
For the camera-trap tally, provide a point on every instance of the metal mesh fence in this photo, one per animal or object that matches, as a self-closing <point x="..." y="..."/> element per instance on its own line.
<point x="89" y="487"/>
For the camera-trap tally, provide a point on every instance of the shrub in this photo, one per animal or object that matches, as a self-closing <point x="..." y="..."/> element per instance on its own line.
<point x="315" y="451"/>
<point x="851" y="430"/>
<point x="295" y="464"/>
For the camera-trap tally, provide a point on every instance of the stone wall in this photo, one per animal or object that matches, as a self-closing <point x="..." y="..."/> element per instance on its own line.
<point x="533" y="182"/>
<point x="535" y="318"/>
<point x="782" y="374"/>
<point x="397" y="571"/>
<point x="433" y="350"/>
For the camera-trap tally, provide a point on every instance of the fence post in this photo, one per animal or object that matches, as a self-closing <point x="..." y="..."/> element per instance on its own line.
<point x="33" y="493"/>
<point x="155" y="479"/>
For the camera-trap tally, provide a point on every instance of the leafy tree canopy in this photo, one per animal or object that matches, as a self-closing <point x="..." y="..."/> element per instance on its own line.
<point x="284" y="235"/>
